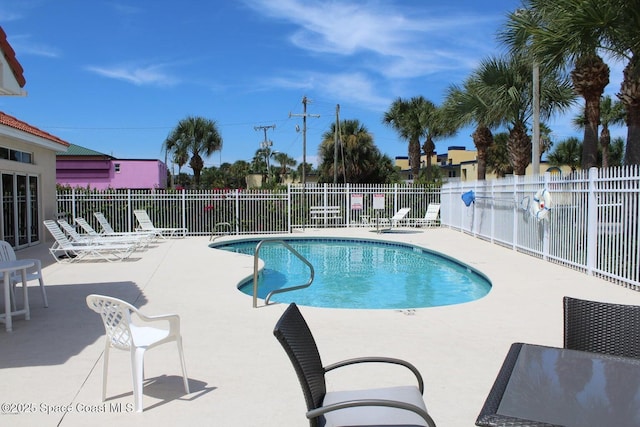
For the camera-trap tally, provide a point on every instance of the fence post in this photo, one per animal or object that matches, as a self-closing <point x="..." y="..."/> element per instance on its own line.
<point x="184" y="208"/>
<point x="514" y="245"/>
<point x="289" y="229"/>
<point x="129" y="211"/>
<point x="237" y="211"/>
<point x="73" y="204"/>
<point x="546" y="241"/>
<point x="395" y="199"/>
<point x="592" y="221"/>
<point x="347" y="204"/>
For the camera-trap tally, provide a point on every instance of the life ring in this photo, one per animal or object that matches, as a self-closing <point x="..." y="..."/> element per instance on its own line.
<point x="541" y="204"/>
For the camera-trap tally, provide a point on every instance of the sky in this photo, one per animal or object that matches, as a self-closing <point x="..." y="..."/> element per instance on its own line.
<point x="117" y="76"/>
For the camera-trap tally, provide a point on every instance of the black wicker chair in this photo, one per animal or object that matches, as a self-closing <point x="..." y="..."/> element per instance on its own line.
<point x="601" y="327"/>
<point x="399" y="406"/>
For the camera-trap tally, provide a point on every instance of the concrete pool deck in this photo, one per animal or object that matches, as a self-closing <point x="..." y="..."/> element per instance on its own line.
<point x="238" y="373"/>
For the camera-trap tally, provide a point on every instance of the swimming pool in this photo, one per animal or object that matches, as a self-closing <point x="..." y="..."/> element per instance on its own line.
<point x="352" y="273"/>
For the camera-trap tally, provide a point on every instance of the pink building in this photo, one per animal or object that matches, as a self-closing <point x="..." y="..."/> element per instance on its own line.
<point x="82" y="167"/>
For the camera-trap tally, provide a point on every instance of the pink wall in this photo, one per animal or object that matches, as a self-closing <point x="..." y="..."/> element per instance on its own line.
<point x="101" y="174"/>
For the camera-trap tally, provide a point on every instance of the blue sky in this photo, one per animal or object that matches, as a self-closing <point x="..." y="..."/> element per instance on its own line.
<point x="117" y="76"/>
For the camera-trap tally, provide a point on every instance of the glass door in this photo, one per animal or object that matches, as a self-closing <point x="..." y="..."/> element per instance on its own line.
<point x="20" y="209"/>
<point x="34" y="219"/>
<point x="8" y="210"/>
<point x="23" y="217"/>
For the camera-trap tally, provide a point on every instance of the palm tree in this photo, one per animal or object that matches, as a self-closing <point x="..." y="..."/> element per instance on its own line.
<point x="471" y="104"/>
<point x="568" y="152"/>
<point x="619" y="20"/>
<point x="357" y="154"/>
<point x="560" y="32"/>
<point x="180" y="158"/>
<point x="436" y="126"/>
<point x="616" y="152"/>
<point x="411" y="119"/>
<point x="285" y="161"/>
<point x="498" y="156"/>
<point x="611" y="113"/>
<point x="197" y="136"/>
<point x="507" y="84"/>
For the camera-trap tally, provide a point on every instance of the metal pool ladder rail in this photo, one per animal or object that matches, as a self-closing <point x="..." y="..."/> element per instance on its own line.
<point x="277" y="291"/>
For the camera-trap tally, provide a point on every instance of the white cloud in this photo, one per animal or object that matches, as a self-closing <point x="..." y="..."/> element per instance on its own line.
<point x="23" y="45"/>
<point x="138" y="75"/>
<point x="401" y="43"/>
<point x="357" y="88"/>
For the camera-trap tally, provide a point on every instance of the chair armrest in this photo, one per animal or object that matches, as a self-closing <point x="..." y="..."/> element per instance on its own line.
<point x="173" y="319"/>
<point x="314" y="413"/>
<point x="379" y="360"/>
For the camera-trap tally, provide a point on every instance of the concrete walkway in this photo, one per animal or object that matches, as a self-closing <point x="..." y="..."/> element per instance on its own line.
<point x="238" y="373"/>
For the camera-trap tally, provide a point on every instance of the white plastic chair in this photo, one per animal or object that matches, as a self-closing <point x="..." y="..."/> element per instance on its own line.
<point x="135" y="338"/>
<point x="34" y="273"/>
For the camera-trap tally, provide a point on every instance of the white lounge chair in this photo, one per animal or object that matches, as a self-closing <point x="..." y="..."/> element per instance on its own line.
<point x="141" y="240"/>
<point x="396" y="220"/>
<point x="34" y="273"/>
<point x="430" y="218"/>
<point x="76" y="237"/>
<point x="136" y="338"/>
<point x="146" y="225"/>
<point x="108" y="230"/>
<point x="65" y="250"/>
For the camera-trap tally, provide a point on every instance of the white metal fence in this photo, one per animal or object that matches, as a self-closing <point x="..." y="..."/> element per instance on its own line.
<point x="593" y="225"/>
<point x="246" y="211"/>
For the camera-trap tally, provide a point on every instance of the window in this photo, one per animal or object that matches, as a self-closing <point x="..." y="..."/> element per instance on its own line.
<point x="15" y="155"/>
<point x="116" y="167"/>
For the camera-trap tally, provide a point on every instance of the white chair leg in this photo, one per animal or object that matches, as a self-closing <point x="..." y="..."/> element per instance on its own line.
<point x="185" y="378"/>
<point x="105" y="368"/>
<point x="137" y="368"/>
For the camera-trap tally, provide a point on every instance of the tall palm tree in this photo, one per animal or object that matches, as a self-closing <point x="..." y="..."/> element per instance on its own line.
<point x="198" y="137"/>
<point x="472" y="104"/>
<point x="357" y="154"/>
<point x="436" y="126"/>
<point x="561" y="32"/>
<point x="611" y="113"/>
<point x="620" y="20"/>
<point x="508" y="81"/>
<point x="411" y="119"/>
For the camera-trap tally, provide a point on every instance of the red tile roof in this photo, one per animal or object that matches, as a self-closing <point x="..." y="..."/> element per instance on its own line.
<point x="10" y="56"/>
<point x="12" y="122"/>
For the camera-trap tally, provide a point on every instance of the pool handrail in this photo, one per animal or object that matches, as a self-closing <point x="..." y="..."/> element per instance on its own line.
<point x="277" y="291"/>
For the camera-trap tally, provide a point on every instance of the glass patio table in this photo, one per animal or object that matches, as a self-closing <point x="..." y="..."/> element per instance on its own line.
<point x="548" y="386"/>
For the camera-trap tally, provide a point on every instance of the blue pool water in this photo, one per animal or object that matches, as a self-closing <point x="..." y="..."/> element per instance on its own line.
<point x="362" y="274"/>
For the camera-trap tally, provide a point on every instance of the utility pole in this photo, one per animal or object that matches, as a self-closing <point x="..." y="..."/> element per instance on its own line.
<point x="266" y="144"/>
<point x="304" y="116"/>
<point x="535" y="144"/>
